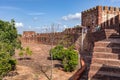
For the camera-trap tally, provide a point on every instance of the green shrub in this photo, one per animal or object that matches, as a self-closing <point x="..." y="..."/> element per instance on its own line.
<point x="70" y="60"/>
<point x="28" y="51"/>
<point x="57" y="52"/>
<point x="25" y="52"/>
<point x="68" y="57"/>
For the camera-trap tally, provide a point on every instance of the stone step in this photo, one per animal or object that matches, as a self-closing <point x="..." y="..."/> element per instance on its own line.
<point x="106" y="55"/>
<point x="93" y="79"/>
<point x="110" y="30"/>
<point x="109" y="40"/>
<point x="82" y="79"/>
<point x="113" y="36"/>
<point x="88" y="79"/>
<point x="105" y="63"/>
<point x="107" y="44"/>
<point x="107" y="49"/>
<point x="103" y="75"/>
<point x="111" y="33"/>
<point x="105" y="68"/>
<point x="110" y="62"/>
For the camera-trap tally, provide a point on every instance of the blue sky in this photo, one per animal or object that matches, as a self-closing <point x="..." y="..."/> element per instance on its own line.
<point x="37" y="15"/>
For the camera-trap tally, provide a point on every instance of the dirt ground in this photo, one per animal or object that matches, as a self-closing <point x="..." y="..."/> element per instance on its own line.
<point x="38" y="66"/>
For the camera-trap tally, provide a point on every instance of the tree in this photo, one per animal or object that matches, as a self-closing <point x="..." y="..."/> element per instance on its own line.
<point x="9" y="35"/>
<point x="51" y="33"/>
<point x="8" y="43"/>
<point x="6" y="64"/>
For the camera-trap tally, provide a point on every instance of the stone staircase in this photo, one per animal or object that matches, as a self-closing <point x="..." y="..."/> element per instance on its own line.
<point x="105" y="63"/>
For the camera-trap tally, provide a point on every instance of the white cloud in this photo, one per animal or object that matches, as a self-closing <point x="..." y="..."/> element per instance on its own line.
<point x="76" y="16"/>
<point x="9" y="7"/>
<point x="78" y="24"/>
<point x="36" y="14"/>
<point x="19" y="24"/>
<point x="31" y="27"/>
<point x="65" y="26"/>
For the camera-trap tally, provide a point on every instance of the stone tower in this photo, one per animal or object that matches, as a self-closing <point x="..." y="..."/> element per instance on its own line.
<point x="104" y="16"/>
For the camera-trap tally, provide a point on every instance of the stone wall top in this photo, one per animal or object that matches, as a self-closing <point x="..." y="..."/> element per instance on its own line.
<point x="24" y="32"/>
<point x="104" y="8"/>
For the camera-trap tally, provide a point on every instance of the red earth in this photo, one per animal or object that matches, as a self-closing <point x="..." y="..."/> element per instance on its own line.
<point x="38" y="65"/>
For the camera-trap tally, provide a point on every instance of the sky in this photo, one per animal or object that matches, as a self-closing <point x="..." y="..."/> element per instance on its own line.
<point x="40" y="15"/>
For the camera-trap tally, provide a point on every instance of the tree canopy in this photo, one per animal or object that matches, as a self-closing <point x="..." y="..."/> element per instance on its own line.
<point x="8" y="43"/>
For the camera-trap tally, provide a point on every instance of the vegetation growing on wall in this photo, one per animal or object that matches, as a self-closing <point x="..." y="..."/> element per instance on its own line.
<point x="67" y="40"/>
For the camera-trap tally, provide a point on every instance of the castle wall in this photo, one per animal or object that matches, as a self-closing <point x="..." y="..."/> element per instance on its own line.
<point x="49" y="38"/>
<point x="29" y="36"/>
<point x="104" y="16"/>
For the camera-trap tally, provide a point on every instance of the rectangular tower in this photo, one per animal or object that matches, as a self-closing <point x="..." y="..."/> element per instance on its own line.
<point x="100" y="15"/>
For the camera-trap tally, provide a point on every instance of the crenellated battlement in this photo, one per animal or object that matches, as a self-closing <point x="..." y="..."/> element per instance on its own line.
<point x="89" y="10"/>
<point x="104" y="8"/>
<point x="105" y="16"/>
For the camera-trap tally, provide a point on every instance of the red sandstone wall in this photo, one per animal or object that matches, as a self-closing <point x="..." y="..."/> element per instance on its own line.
<point x="109" y="15"/>
<point x="29" y="36"/>
<point x="101" y="15"/>
<point x="48" y="38"/>
<point x="92" y="17"/>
